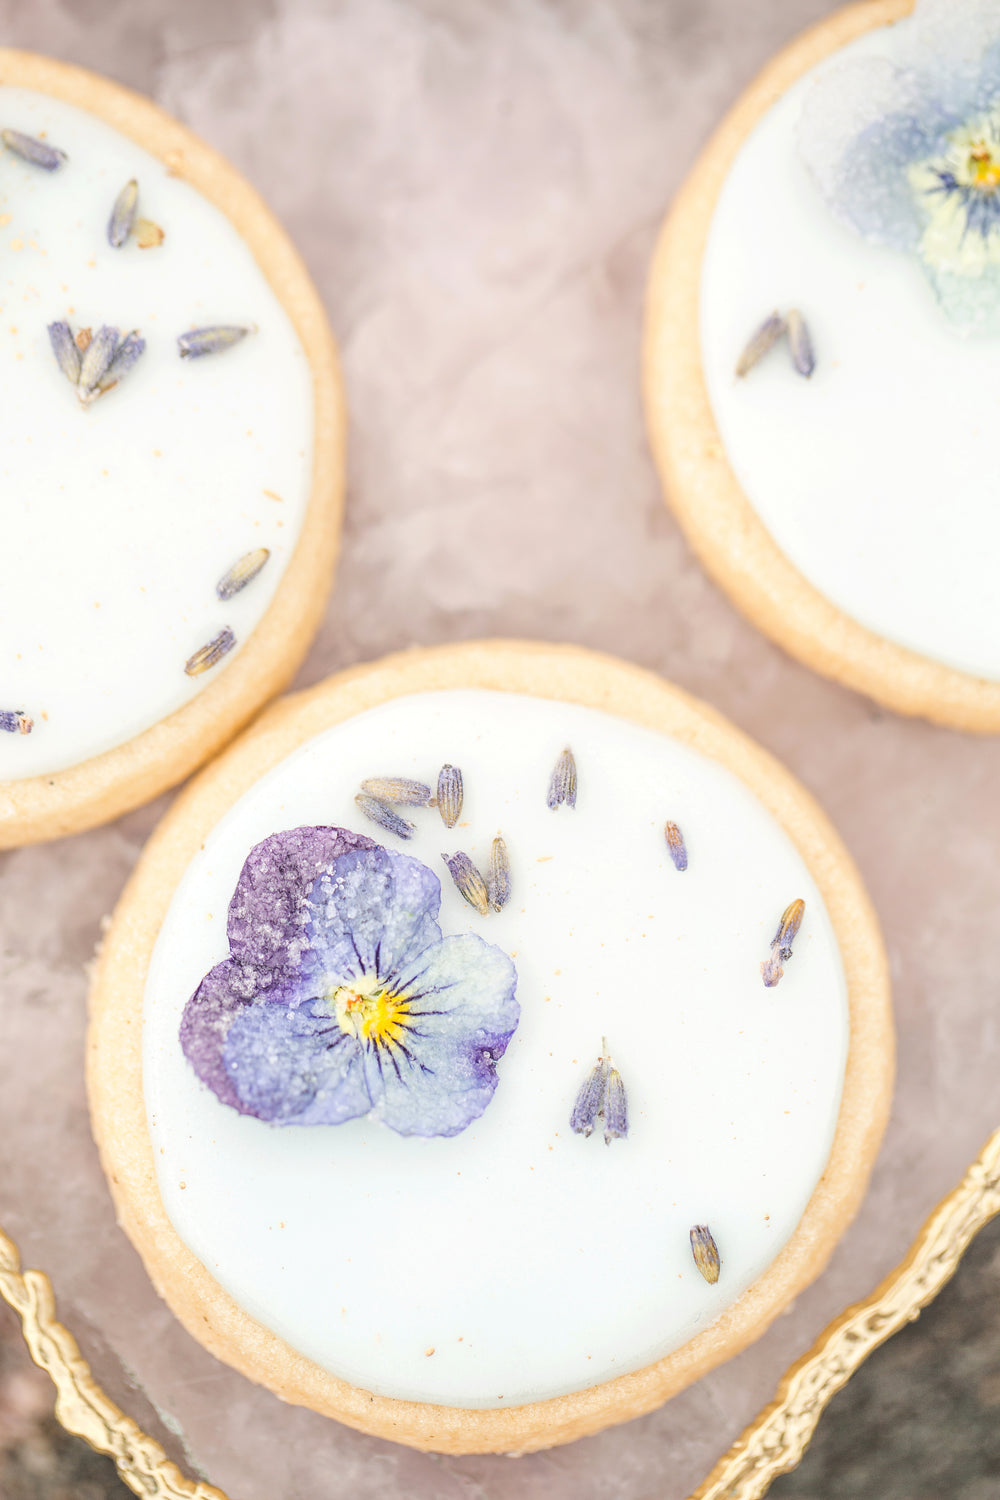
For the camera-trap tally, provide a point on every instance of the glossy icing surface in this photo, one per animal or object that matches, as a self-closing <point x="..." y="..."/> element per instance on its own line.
<point x="875" y="476"/>
<point x="517" y="1260"/>
<point x="119" y="519"/>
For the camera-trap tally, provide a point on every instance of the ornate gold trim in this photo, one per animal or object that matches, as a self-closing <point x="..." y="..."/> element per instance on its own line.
<point x="773" y="1443"/>
<point x="81" y="1405"/>
<point x="776" y="1439"/>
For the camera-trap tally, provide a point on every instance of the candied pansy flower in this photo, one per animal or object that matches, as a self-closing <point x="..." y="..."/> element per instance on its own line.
<point x="905" y="147"/>
<point x="341" y="997"/>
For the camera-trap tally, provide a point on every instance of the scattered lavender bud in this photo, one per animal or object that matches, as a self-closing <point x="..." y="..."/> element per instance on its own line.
<point x="450" y="794"/>
<point x="800" y="344"/>
<point x="562" y="782"/>
<point x="498" y="885"/>
<point x="602" y="1099"/>
<point x="65" y="350"/>
<point x="676" y="845"/>
<point x="39" y="153"/>
<point x="705" y="1252"/>
<point x="383" y="815"/>
<point x="15" y="721"/>
<point x="123" y="214"/>
<point x="765" y="337"/>
<point x="211" y="653"/>
<point x="781" y="944"/>
<point x="200" y="341"/>
<point x="397" y="789"/>
<point x="590" y="1098"/>
<point x="468" y="881"/>
<point x="243" y="572"/>
<point x="99" y="353"/>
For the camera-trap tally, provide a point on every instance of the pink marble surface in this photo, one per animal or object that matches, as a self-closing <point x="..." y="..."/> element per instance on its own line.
<point x="476" y="190"/>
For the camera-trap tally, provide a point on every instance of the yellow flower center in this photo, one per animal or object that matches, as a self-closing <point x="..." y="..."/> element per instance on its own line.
<point x="371" y="1014"/>
<point x="984" y="169"/>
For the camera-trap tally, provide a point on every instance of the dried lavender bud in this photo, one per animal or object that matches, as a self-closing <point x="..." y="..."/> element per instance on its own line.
<point x="450" y="795"/>
<point x="200" y="341"/>
<point x="15" y="721"/>
<point x="765" y="337"/>
<point x="128" y="351"/>
<point x="99" y="353"/>
<point x="65" y="350"/>
<point x="39" y="153"/>
<point x="211" y="653"/>
<point x="601" y="1098"/>
<point x="676" y="845"/>
<point x="397" y="789"/>
<point x="468" y="881"/>
<point x="705" y="1252"/>
<point x="498" y="884"/>
<point x="800" y="344"/>
<point x="590" y="1098"/>
<point x="781" y="944"/>
<point x="615" y="1108"/>
<point x="562" y="782"/>
<point x="384" y="816"/>
<point x="123" y="215"/>
<point x="243" y="572"/>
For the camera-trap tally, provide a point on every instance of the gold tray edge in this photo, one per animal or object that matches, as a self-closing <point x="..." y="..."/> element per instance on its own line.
<point x="776" y="1439"/>
<point x="773" y="1443"/>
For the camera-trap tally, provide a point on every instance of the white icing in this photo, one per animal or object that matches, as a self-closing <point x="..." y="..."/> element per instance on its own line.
<point x="876" y="476"/>
<point x="119" y="520"/>
<point x="532" y="1261"/>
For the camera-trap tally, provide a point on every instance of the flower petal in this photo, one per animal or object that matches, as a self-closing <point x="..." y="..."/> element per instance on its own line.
<point x="224" y="992"/>
<point x="863" y="123"/>
<point x="293" y="1068"/>
<point x="369" y="910"/>
<point x="463" y="1014"/>
<point x="267" y="913"/>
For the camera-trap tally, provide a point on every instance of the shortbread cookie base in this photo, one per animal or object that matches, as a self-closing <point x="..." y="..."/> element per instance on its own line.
<point x="701" y="488"/>
<point x="99" y="789"/>
<point x="115" y="1066"/>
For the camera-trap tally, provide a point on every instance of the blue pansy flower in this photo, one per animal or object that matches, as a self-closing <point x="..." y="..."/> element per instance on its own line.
<point x="906" y="149"/>
<point x="342" y="998"/>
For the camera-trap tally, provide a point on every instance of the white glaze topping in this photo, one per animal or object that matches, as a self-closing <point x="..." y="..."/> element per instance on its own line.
<point x="119" y="520"/>
<point x="876" y="476"/>
<point x="530" y="1260"/>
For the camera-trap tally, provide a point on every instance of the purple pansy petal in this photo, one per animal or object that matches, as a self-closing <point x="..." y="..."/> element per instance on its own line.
<point x="464" y="1013"/>
<point x="888" y="141"/>
<point x="268" y="910"/>
<point x="205" y="1024"/>
<point x="291" y="1067"/>
<point x="367" y="912"/>
<point x="862" y="123"/>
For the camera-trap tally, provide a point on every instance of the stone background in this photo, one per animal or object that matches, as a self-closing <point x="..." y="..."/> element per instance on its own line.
<point x="476" y="189"/>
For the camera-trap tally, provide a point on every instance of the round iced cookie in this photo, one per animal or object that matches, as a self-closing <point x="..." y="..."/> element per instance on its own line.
<point x="171" y="457"/>
<point x="490" y="1043"/>
<point x="843" y="225"/>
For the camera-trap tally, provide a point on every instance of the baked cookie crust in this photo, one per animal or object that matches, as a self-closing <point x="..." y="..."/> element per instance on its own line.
<point x="700" y="487"/>
<point x="101" y="788"/>
<point x="114" y="1056"/>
